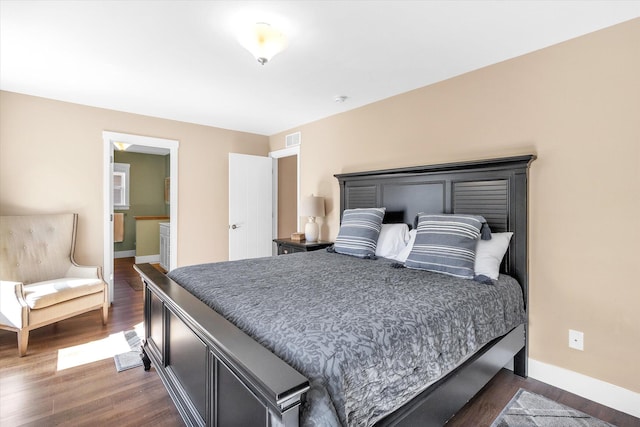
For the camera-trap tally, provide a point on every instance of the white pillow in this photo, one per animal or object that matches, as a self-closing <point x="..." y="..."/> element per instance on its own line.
<point x="489" y="254"/>
<point x="404" y="254"/>
<point x="392" y="239"/>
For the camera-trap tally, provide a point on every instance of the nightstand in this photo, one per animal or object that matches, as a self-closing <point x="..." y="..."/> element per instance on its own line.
<point x="288" y="246"/>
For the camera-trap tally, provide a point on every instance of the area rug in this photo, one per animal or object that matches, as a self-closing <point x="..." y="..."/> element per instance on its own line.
<point x="528" y="409"/>
<point x="130" y="359"/>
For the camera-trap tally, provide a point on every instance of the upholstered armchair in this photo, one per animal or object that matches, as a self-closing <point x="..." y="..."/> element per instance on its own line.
<point x="40" y="283"/>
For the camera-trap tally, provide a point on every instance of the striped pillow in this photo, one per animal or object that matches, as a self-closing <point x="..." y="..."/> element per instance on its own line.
<point x="446" y="244"/>
<point x="359" y="232"/>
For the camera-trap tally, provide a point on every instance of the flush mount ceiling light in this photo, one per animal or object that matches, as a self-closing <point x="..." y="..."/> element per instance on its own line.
<point x="121" y="146"/>
<point x="263" y="41"/>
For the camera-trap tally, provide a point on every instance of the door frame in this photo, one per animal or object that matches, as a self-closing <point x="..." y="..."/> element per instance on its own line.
<point x="107" y="189"/>
<point x="275" y="155"/>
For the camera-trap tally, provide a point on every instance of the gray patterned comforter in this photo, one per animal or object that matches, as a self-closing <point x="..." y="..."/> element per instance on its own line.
<point x="367" y="336"/>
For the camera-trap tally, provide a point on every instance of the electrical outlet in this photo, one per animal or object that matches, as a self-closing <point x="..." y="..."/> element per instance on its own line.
<point x="576" y="340"/>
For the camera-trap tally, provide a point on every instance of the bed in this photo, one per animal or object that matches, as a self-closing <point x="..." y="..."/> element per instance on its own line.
<point x="221" y="366"/>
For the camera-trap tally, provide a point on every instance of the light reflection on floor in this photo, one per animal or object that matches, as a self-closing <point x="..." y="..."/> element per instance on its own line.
<point x="94" y="351"/>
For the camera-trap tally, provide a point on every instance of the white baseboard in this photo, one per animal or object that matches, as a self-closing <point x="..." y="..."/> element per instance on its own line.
<point x="148" y="258"/>
<point x="124" y="254"/>
<point x="590" y="388"/>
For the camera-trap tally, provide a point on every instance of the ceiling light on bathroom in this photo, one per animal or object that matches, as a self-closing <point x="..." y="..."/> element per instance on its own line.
<point x="340" y="99"/>
<point x="121" y="146"/>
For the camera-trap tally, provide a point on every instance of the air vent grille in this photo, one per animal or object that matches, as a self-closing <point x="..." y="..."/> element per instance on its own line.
<point x="293" y="140"/>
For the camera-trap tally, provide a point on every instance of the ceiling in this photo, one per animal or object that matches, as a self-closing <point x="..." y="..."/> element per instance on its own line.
<point x="181" y="59"/>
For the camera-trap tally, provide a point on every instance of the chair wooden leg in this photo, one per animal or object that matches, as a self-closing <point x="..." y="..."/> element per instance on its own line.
<point x="23" y="341"/>
<point x="105" y="313"/>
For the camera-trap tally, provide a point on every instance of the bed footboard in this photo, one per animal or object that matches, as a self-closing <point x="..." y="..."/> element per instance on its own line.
<point x="440" y="401"/>
<point x="215" y="373"/>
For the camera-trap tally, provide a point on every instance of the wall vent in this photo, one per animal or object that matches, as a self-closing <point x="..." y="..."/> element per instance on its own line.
<point x="293" y="140"/>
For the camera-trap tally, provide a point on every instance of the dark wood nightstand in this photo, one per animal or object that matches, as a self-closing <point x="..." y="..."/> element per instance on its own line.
<point x="288" y="246"/>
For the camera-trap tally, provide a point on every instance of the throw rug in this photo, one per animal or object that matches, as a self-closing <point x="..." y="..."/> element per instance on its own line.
<point x="130" y="359"/>
<point x="135" y="283"/>
<point x="528" y="409"/>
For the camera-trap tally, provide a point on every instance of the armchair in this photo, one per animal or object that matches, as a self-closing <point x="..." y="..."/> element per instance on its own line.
<point x="40" y="283"/>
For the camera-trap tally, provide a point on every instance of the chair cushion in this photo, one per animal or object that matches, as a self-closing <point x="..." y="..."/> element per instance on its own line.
<point x="44" y="294"/>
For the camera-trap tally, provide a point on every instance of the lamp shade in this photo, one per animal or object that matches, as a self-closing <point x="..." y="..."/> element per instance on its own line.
<point x="312" y="206"/>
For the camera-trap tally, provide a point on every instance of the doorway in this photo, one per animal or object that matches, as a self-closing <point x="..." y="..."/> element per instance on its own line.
<point x="287" y="189"/>
<point x="292" y="207"/>
<point x="286" y="192"/>
<point x="149" y="145"/>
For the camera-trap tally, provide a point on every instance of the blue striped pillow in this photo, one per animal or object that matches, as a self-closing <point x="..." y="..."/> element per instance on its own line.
<point x="359" y="232"/>
<point x="446" y="244"/>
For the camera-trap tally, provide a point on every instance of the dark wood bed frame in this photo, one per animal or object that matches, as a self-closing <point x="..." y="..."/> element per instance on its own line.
<point x="219" y="376"/>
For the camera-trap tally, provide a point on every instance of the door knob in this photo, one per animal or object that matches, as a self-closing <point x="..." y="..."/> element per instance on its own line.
<point x="233" y="226"/>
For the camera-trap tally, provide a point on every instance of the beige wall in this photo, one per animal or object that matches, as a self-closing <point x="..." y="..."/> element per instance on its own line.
<point x="51" y="161"/>
<point x="287" y="196"/>
<point x="577" y="107"/>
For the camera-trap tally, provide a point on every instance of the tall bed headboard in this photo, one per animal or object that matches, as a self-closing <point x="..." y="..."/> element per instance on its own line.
<point x="495" y="189"/>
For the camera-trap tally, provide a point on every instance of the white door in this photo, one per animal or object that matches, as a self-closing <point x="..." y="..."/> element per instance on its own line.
<point x="250" y="206"/>
<point x="108" y="268"/>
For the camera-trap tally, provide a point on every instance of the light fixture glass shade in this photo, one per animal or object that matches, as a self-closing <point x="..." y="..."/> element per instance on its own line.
<point x="121" y="146"/>
<point x="263" y="41"/>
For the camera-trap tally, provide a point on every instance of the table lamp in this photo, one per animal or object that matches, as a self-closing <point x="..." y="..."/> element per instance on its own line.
<point x="312" y="207"/>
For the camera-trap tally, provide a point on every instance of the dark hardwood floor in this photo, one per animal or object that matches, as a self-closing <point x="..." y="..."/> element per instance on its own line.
<point x="34" y="391"/>
<point x="483" y="409"/>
